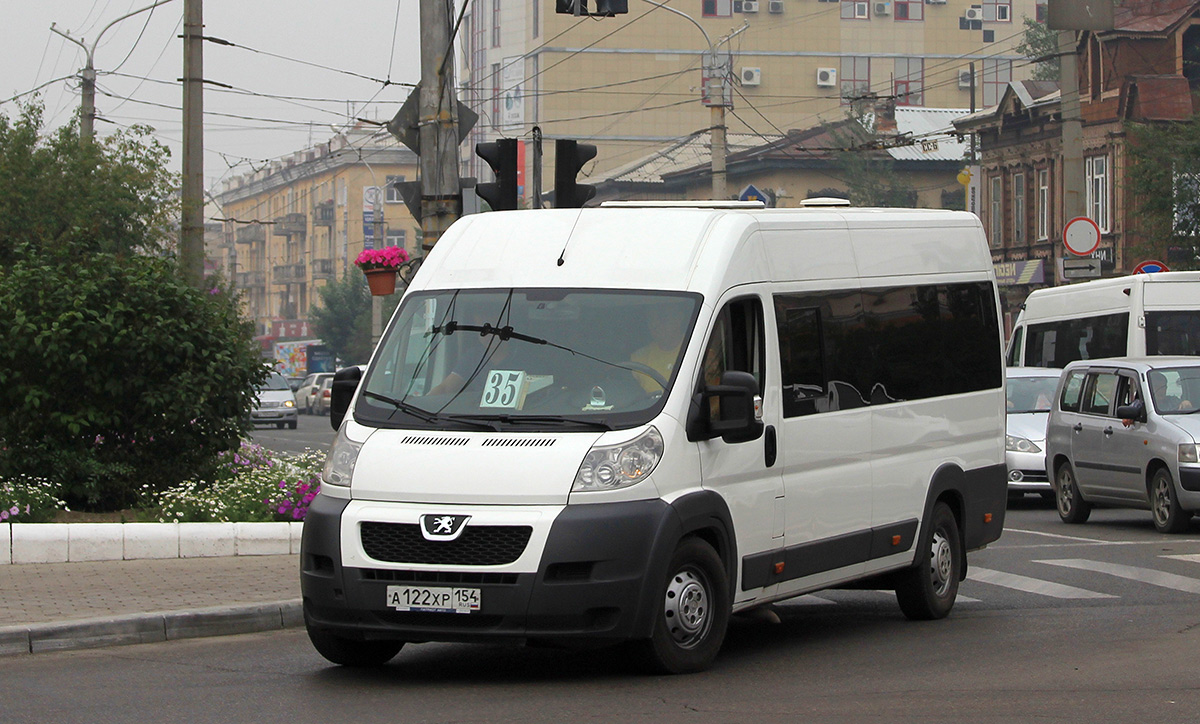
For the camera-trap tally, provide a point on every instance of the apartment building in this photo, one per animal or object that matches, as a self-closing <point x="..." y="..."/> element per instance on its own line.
<point x="298" y="224"/>
<point x="632" y="84"/>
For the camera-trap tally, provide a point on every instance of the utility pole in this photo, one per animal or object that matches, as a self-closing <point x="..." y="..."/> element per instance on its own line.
<point x="87" y="105"/>
<point x="191" y="227"/>
<point x="441" y="197"/>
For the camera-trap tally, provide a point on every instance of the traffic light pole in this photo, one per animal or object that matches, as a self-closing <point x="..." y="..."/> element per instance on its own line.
<point x="441" y="197"/>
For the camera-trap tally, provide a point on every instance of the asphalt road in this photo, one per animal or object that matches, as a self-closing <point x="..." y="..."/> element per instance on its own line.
<point x="312" y="431"/>
<point x="1056" y="623"/>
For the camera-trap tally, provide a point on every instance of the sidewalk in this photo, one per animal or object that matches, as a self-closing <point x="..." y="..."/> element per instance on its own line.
<point x="58" y="606"/>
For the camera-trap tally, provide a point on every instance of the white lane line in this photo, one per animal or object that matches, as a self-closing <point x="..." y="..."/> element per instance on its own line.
<point x="1031" y="585"/>
<point x="965" y="599"/>
<point x="1061" y="537"/>
<point x="1189" y="557"/>
<point x="1132" y="573"/>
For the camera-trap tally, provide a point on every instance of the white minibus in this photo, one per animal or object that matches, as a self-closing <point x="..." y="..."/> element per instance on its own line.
<point x="628" y="423"/>
<point x="1133" y="316"/>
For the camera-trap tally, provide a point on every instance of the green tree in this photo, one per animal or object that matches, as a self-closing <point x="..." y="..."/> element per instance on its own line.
<point x="1039" y="41"/>
<point x="117" y="377"/>
<point x="1163" y="190"/>
<point x="342" y="319"/>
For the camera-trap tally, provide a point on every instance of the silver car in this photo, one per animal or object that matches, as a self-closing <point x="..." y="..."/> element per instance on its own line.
<point x="1122" y="434"/>
<point x="1030" y="391"/>
<point x="274" y="403"/>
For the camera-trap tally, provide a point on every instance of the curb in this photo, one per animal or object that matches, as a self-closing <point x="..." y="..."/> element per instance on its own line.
<point x="145" y="628"/>
<point x="72" y="542"/>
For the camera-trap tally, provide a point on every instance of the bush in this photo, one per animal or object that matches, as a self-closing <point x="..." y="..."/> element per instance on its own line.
<point x="251" y="487"/>
<point x="121" y="376"/>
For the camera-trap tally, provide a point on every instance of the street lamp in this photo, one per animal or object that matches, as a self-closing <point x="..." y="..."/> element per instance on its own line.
<point x="88" y="91"/>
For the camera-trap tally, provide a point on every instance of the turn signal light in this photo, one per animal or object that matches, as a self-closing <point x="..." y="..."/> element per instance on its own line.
<point x="895" y="540"/>
<point x="987" y="517"/>
<point x="778" y="568"/>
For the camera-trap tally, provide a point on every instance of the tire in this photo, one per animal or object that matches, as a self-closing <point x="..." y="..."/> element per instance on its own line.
<point x="1072" y="508"/>
<point x="348" y="652"/>
<point x="692" y="612"/>
<point x="927" y="590"/>
<point x="1164" y="504"/>
<point x="292" y="424"/>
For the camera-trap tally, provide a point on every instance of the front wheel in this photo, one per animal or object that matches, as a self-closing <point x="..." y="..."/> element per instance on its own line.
<point x="1072" y="508"/>
<point x="692" y="613"/>
<point x="1168" y="516"/>
<point x="928" y="590"/>
<point x="349" y="652"/>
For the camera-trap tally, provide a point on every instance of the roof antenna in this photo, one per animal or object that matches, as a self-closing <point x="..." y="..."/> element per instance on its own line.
<point x="562" y="255"/>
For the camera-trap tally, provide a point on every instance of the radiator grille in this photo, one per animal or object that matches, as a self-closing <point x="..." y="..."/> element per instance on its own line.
<point x="479" y="545"/>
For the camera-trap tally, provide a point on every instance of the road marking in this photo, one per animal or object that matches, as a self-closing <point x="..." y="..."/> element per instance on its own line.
<point x="1189" y="557"/>
<point x="1031" y="585"/>
<point x="1132" y="573"/>
<point x="1062" y="537"/>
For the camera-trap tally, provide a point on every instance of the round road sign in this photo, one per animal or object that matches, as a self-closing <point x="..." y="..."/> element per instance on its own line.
<point x="1149" y="267"/>
<point x="1081" y="235"/>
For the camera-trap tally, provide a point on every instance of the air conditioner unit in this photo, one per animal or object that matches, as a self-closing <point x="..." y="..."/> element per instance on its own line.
<point x="974" y="14"/>
<point x="826" y="77"/>
<point x="737" y="6"/>
<point x="964" y="79"/>
<point x="751" y="76"/>
<point x="883" y="8"/>
<point x="749" y="6"/>
<point x="775" y="6"/>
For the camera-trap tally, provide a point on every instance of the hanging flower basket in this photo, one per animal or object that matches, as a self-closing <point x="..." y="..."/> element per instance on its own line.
<point x="381" y="266"/>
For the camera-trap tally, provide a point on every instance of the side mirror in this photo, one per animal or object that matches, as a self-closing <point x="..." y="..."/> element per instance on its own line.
<point x="345" y="382"/>
<point x="1135" y="410"/>
<point x="738" y="410"/>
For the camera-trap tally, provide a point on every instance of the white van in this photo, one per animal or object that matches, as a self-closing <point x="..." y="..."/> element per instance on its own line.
<point x="628" y="423"/>
<point x="1134" y="316"/>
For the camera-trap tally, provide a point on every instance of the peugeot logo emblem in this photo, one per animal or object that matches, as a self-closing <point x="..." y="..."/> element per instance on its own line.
<point x="436" y="526"/>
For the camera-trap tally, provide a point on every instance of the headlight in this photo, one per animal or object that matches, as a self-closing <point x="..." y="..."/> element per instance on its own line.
<point x="619" y="466"/>
<point x="1187" y="453"/>
<point x="339" y="464"/>
<point x="1012" y="443"/>
<point x="289" y="403"/>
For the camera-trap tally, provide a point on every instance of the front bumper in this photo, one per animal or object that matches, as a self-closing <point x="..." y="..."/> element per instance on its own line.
<point x="587" y="582"/>
<point x="1027" y="471"/>
<point x="276" y="414"/>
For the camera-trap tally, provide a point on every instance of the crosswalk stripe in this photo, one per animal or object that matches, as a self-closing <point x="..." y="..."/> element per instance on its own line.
<point x="1031" y="585"/>
<point x="1132" y="573"/>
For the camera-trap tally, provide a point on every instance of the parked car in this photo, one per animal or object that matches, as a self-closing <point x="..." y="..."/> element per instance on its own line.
<point x="295" y="382"/>
<point x="1030" y="391"/>
<point x="306" y="395"/>
<point x="275" y="403"/>
<point x="1122" y="433"/>
<point x="321" y="401"/>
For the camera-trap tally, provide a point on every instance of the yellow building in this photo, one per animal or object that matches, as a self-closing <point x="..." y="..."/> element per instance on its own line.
<point x="632" y="84"/>
<point x="300" y="223"/>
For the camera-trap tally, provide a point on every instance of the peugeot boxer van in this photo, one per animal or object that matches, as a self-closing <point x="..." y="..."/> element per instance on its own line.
<point x="1133" y="316"/>
<point x="626" y="423"/>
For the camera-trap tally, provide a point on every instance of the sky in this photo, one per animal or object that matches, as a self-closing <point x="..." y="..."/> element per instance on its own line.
<point x="300" y="70"/>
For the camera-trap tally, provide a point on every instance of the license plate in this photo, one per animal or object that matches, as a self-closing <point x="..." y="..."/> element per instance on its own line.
<point x="433" y="600"/>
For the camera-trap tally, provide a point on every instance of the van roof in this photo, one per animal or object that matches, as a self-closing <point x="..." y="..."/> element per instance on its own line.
<point x="697" y="248"/>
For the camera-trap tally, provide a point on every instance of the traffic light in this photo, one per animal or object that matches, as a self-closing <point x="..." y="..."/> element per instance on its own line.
<point x="605" y="8"/>
<point x="501" y="155"/>
<point x="569" y="157"/>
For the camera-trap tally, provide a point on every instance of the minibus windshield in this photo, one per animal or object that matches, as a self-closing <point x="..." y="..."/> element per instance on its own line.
<point x="528" y="359"/>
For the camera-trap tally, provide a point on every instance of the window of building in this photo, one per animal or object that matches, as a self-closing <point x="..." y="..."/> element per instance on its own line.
<point x="495" y="23"/>
<point x="1040" y="11"/>
<point x="855" y="78"/>
<point x="495" y="119"/>
<point x="716" y="8"/>
<point x="910" y="81"/>
<point x="997" y="74"/>
<point x="393" y="194"/>
<point x="1095" y="171"/>
<point x="1018" y="208"/>
<point x="397" y="237"/>
<point x="536" y="17"/>
<point x="1043" y="204"/>
<point x="855" y="10"/>
<point x="997" y="11"/>
<point x="996" y="209"/>
<point x="909" y="9"/>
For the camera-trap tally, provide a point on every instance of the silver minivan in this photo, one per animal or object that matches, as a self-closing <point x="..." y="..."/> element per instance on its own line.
<point x="1122" y="433"/>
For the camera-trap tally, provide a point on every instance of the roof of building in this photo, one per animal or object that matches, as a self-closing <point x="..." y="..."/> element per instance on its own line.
<point x="1021" y="94"/>
<point x="1150" y="16"/>
<point x="688" y="152"/>
<point x="1156" y="98"/>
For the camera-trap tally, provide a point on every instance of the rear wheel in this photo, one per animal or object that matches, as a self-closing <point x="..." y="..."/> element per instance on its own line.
<point x="928" y="590"/>
<point x="1072" y="508"/>
<point x="692" y="614"/>
<point x="1164" y="504"/>
<point x="349" y="652"/>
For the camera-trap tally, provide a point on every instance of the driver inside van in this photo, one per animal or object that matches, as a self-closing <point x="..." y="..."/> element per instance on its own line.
<point x="666" y="335"/>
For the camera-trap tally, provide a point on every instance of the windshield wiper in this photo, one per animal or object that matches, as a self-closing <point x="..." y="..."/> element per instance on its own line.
<point x="555" y="420"/>
<point x="504" y="333"/>
<point x="417" y="412"/>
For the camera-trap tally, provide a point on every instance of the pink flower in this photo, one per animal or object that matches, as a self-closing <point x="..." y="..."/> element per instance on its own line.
<point x="3" y="515"/>
<point x="390" y="257"/>
<point x="15" y="510"/>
